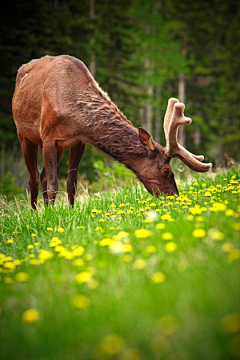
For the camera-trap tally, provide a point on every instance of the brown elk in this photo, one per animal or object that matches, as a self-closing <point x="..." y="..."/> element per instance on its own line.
<point x="57" y="104"/>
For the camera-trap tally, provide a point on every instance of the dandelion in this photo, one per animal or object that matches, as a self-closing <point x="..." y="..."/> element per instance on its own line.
<point x="227" y="247"/>
<point x="170" y="246"/>
<point x="80" y="302"/>
<point x="230" y="212"/>
<point x="105" y="242"/>
<point x="218" y="207"/>
<point x="148" y="220"/>
<point x="83" y="277"/>
<point x="10" y="241"/>
<point x="208" y="194"/>
<point x="102" y="220"/>
<point x="88" y="257"/>
<point x="167" y="236"/>
<point x="49" y="229"/>
<point x="33" y="235"/>
<point x="112" y="344"/>
<point x="158" y="277"/>
<point x="236" y="226"/>
<point x="78" y="262"/>
<point x="190" y="217"/>
<point x="139" y="264"/>
<point x="78" y="251"/>
<point x="30" y="316"/>
<point x="160" y="226"/>
<point x="8" y="280"/>
<point x="199" y="233"/>
<point x="22" y="277"/>
<point x="216" y="235"/>
<point x="166" y="217"/>
<point x="30" y="246"/>
<point x="127" y="258"/>
<point x="36" y="244"/>
<point x="143" y="233"/>
<point x="92" y="284"/>
<point x="151" y="249"/>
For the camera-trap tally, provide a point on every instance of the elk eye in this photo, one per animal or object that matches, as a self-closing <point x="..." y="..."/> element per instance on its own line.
<point x="166" y="171"/>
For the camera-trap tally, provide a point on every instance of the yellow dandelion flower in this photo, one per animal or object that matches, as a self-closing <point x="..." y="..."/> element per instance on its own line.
<point x="78" y="251"/>
<point x="170" y="246"/>
<point x="36" y="244"/>
<point x="88" y="257"/>
<point x="148" y="220"/>
<point x="35" y="262"/>
<point x="234" y="254"/>
<point x="121" y="235"/>
<point x="127" y="258"/>
<point x="151" y="249"/>
<point x="160" y="226"/>
<point x="8" y="280"/>
<point x="158" y="277"/>
<point x="112" y="344"/>
<point x="83" y="277"/>
<point x="199" y="233"/>
<point x="230" y="212"/>
<point x="61" y="230"/>
<point x="30" y="316"/>
<point x="167" y="236"/>
<point x="218" y="207"/>
<point x="208" y="194"/>
<point x="190" y="217"/>
<point x="216" y="235"/>
<point x="92" y="284"/>
<point x="94" y="210"/>
<point x="9" y="266"/>
<point x="33" y="235"/>
<point x="227" y="247"/>
<point x="166" y="217"/>
<point x="49" y="229"/>
<point x="236" y="226"/>
<point x="231" y="323"/>
<point x="45" y="255"/>
<point x="102" y="220"/>
<point x="139" y="264"/>
<point x="143" y="233"/>
<point x="30" y="246"/>
<point x="10" y="241"/>
<point x="78" y="262"/>
<point x="22" y="277"/>
<point x="105" y="242"/>
<point x="81" y="302"/>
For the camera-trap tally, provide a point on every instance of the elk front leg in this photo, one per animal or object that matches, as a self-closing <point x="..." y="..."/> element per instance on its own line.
<point x="50" y="166"/>
<point x="43" y="178"/>
<point x="76" y="154"/>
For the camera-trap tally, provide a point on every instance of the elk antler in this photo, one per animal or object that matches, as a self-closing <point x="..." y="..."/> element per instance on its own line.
<point x="174" y="117"/>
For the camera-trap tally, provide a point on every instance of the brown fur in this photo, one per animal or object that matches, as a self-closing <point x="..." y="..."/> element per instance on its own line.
<point x="57" y="104"/>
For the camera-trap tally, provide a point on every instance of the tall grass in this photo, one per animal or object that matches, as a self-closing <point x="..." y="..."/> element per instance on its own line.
<point x="123" y="275"/>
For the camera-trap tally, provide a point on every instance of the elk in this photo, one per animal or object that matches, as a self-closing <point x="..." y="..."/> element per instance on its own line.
<point x="58" y="105"/>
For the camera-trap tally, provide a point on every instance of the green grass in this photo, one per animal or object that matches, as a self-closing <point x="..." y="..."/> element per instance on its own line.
<point x="143" y="297"/>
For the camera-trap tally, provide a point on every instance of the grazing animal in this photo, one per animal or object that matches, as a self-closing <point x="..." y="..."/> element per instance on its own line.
<point x="58" y="105"/>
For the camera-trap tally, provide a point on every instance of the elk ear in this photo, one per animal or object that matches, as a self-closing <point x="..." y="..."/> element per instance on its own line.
<point x="146" y="139"/>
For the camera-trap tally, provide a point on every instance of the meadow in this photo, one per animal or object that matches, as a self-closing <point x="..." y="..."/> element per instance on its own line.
<point x="123" y="275"/>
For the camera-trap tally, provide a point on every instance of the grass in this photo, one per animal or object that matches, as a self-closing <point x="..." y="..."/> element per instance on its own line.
<point x="123" y="276"/>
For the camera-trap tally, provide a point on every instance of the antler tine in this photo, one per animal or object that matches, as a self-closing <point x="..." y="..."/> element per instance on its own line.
<point x="168" y="115"/>
<point x="173" y="149"/>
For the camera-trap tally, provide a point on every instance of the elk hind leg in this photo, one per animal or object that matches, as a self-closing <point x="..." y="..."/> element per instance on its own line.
<point x="76" y="154"/>
<point x="50" y="165"/>
<point x="30" y="153"/>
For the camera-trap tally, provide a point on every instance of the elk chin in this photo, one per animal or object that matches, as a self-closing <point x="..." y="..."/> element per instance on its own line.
<point x="158" y="190"/>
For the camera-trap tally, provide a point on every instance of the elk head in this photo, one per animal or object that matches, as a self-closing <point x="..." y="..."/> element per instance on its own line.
<point x="161" y="178"/>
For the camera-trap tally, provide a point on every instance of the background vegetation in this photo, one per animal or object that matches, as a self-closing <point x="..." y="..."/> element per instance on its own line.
<point x="141" y="53"/>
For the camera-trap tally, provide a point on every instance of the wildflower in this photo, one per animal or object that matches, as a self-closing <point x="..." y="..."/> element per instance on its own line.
<point x="167" y="236"/>
<point x="81" y="302"/>
<point x="44" y="255"/>
<point x="61" y="230"/>
<point x="30" y="246"/>
<point x="35" y="262"/>
<point x="94" y="210"/>
<point x="151" y="249"/>
<point x="216" y="235"/>
<point x="170" y="246"/>
<point x="88" y="257"/>
<point x="102" y="220"/>
<point x="78" y="262"/>
<point x="112" y="344"/>
<point x="92" y="284"/>
<point x="105" y="242"/>
<point x="49" y="229"/>
<point x="236" y="226"/>
<point x="22" y="277"/>
<point x="190" y="217"/>
<point x="218" y="207"/>
<point x="158" y="277"/>
<point x="160" y="226"/>
<point x="9" y="266"/>
<point x="148" y="220"/>
<point x="30" y="316"/>
<point x="78" y="251"/>
<point x="207" y="194"/>
<point x="139" y="264"/>
<point x="83" y="277"/>
<point x="121" y="235"/>
<point x="227" y="247"/>
<point x="166" y="217"/>
<point x="199" y="233"/>
<point x="229" y="212"/>
<point x="127" y="258"/>
<point x="143" y="233"/>
<point x="33" y="235"/>
<point x="231" y="323"/>
<point x="36" y="244"/>
<point x="10" y="241"/>
<point x="54" y="242"/>
<point x="234" y="254"/>
<point x="8" y="280"/>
